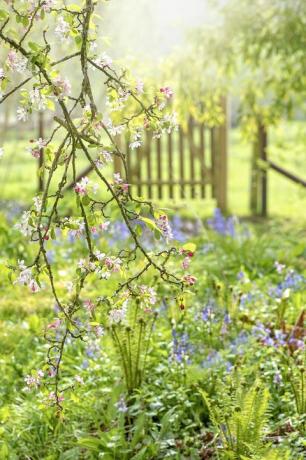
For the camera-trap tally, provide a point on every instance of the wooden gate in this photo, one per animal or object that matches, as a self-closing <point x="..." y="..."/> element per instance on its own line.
<point x="189" y="164"/>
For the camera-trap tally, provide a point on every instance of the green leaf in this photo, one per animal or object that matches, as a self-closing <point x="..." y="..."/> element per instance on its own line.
<point x="3" y="15"/>
<point x="86" y="200"/>
<point x="150" y="223"/>
<point x="50" y="105"/>
<point x="189" y="247"/>
<point x="34" y="47"/>
<point x="90" y="443"/>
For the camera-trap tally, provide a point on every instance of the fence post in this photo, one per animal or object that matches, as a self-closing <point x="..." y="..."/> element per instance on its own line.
<point x="222" y="163"/>
<point x="259" y="180"/>
<point x="41" y="153"/>
<point x="254" y="178"/>
<point x="263" y="143"/>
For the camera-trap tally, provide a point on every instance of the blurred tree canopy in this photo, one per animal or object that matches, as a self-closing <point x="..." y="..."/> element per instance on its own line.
<point x="256" y="51"/>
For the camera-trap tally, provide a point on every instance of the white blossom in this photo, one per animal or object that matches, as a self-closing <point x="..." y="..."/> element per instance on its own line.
<point x="22" y="114"/>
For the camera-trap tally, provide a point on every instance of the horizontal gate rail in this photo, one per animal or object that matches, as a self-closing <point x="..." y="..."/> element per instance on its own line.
<point x="288" y="174"/>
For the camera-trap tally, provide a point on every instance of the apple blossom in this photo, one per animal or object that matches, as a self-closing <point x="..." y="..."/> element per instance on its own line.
<point x="166" y="91"/>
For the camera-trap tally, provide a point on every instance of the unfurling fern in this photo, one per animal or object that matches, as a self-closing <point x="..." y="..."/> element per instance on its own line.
<point x="240" y="419"/>
<point x="132" y="340"/>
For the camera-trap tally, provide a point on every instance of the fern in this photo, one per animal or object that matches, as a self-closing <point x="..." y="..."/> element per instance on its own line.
<point x="241" y="418"/>
<point x="132" y="339"/>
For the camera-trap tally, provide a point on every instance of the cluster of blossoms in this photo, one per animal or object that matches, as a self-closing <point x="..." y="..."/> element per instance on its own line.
<point x="54" y="398"/>
<point x="187" y="257"/>
<point x="118" y="315"/>
<point x="55" y="324"/>
<point x="63" y="86"/>
<point x="119" y="185"/>
<point x="37" y="203"/>
<point x="139" y="87"/>
<point x="85" y="186"/>
<point x="89" y="306"/>
<point x="105" y="267"/>
<point x="103" y="61"/>
<point x="36" y="148"/>
<point x="136" y="141"/>
<point x="118" y="103"/>
<point x="24" y="226"/>
<point x="46" y="7"/>
<point x="189" y="279"/>
<point x="62" y="29"/>
<point x="22" y="114"/>
<point x="163" y="224"/>
<point x="103" y="158"/>
<point x="15" y="62"/>
<point x="77" y="229"/>
<point x="148" y="296"/>
<point x="34" y="381"/>
<point x="37" y="99"/>
<point x="167" y="92"/>
<point x="167" y="124"/>
<point x="114" y="130"/>
<point x="25" y="277"/>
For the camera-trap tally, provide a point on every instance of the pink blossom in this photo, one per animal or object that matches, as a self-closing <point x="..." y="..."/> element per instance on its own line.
<point x="37" y="146"/>
<point x="89" y="305"/>
<point x="52" y="397"/>
<point x="34" y="287"/>
<point x="104" y="225"/>
<point x="125" y="188"/>
<point x="186" y="263"/>
<point x="112" y="263"/>
<point x="63" y="85"/>
<point x="119" y="182"/>
<point x="139" y="86"/>
<point x="167" y="91"/>
<point x="81" y="187"/>
<point x="15" y="62"/>
<point x="35" y="153"/>
<point x="52" y="372"/>
<point x="33" y="381"/>
<point x="55" y="324"/>
<point x="189" y="279"/>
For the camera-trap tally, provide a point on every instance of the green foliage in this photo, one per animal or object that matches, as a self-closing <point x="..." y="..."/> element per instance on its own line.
<point x="241" y="419"/>
<point x="165" y="416"/>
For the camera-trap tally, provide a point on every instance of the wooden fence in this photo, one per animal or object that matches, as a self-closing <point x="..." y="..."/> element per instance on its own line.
<point x="189" y="164"/>
<point x="261" y="164"/>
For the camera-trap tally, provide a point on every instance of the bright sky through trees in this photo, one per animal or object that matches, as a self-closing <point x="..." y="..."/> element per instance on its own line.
<point x="161" y="25"/>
